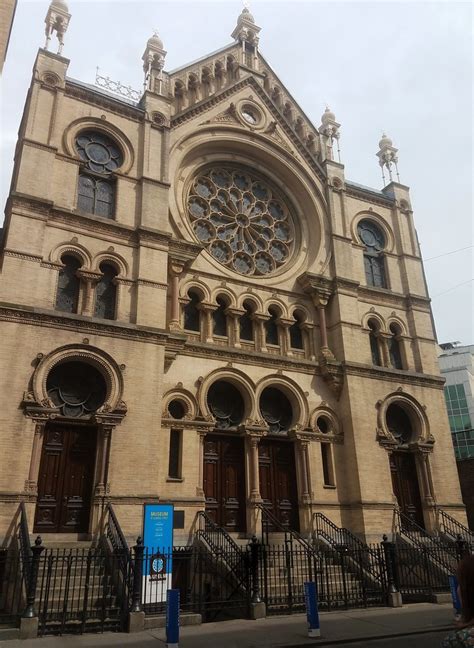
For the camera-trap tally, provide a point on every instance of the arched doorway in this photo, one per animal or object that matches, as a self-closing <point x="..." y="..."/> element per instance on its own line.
<point x="277" y="459"/>
<point x="403" y="464"/>
<point x="224" y="458"/>
<point x="68" y="455"/>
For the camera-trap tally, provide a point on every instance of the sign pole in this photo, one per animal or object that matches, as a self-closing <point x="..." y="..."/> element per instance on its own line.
<point x="312" y="615"/>
<point x="172" y="618"/>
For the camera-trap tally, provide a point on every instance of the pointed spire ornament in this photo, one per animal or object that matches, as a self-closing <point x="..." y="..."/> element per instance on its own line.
<point x="330" y="133"/>
<point x="57" y="20"/>
<point x="246" y="32"/>
<point x="388" y="157"/>
<point x="153" y="62"/>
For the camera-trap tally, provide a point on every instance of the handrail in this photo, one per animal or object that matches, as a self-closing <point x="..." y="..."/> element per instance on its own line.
<point x="414" y="533"/>
<point x="113" y="532"/>
<point x="340" y="538"/>
<point x="24" y="541"/>
<point x="270" y="519"/>
<point x="452" y="528"/>
<point x="222" y="545"/>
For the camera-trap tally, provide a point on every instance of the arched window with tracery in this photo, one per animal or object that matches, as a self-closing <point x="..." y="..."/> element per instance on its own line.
<point x="78" y="389"/>
<point x="101" y="157"/>
<point x="276" y="410"/>
<point x="271" y="327"/>
<point x="226" y="404"/>
<point x="296" y="332"/>
<point x="192" y="314"/>
<point x="219" y="317"/>
<point x="373" y="240"/>
<point x="394" y="347"/>
<point x="106" y="293"/>
<point x="246" y="323"/>
<point x="67" y="294"/>
<point x="374" y="342"/>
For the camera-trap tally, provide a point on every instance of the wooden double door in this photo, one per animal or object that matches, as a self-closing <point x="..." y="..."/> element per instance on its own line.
<point x="405" y="485"/>
<point x="224" y="480"/>
<point x="66" y="479"/>
<point x="278" y="487"/>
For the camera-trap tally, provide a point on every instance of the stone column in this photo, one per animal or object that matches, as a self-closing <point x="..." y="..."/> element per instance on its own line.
<point x="260" y="342"/>
<point x="200" y="487"/>
<point x="320" y="300"/>
<point x="302" y="445"/>
<point x="308" y="332"/>
<point x="285" y="341"/>
<point x="89" y="280"/>
<point x="428" y="499"/>
<point x="253" y="441"/>
<point x="105" y="432"/>
<point x="175" y="269"/>
<point x="234" y="315"/>
<point x="206" y="329"/>
<point x="383" y="339"/>
<point x="31" y="485"/>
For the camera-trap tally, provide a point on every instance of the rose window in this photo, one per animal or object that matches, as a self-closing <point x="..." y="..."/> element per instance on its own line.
<point x="242" y="219"/>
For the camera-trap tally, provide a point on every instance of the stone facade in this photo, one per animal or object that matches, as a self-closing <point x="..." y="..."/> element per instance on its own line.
<point x="227" y="110"/>
<point x="7" y="14"/>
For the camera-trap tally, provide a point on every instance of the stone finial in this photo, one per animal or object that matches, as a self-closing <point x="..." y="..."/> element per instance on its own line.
<point x="388" y="157"/>
<point x="246" y="31"/>
<point x="57" y="20"/>
<point x="153" y="62"/>
<point x="330" y="133"/>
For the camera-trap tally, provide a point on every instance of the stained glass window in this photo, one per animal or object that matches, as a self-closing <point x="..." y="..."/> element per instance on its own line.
<point x="77" y="388"/>
<point x="399" y="424"/>
<point x="373" y="239"/>
<point x="244" y="220"/>
<point x="67" y="295"/>
<point x="276" y="410"/>
<point x="226" y="404"/>
<point x="106" y="293"/>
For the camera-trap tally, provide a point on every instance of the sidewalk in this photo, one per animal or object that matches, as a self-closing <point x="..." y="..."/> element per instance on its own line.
<point x="272" y="632"/>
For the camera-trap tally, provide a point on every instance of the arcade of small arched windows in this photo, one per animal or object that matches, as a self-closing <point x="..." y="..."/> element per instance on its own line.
<point x="86" y="291"/>
<point x="387" y="343"/>
<point x="249" y="326"/>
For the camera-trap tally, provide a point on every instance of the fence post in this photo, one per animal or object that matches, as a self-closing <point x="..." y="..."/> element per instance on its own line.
<point x="29" y="619"/>
<point x="136" y="617"/>
<point x="394" y="597"/>
<point x="258" y="608"/>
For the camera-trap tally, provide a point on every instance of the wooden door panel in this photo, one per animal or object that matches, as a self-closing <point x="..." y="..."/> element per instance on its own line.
<point x="405" y="485"/>
<point x="278" y="481"/>
<point x="48" y="507"/>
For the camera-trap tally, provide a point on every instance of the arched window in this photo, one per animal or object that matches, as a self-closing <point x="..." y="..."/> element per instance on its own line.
<point x="271" y="327"/>
<point x="192" y="314"/>
<point x="226" y="404"/>
<point x="394" y="350"/>
<point x="246" y="323"/>
<point x="296" y="332"/>
<point x="76" y="388"/>
<point x="373" y="239"/>
<point x="106" y="293"/>
<point x="276" y="410"/>
<point x="374" y="343"/>
<point x="67" y="295"/>
<point x="399" y="424"/>
<point x="219" y="318"/>
<point x="100" y="157"/>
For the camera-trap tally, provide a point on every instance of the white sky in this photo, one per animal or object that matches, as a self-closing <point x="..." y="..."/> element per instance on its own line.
<point x="403" y="67"/>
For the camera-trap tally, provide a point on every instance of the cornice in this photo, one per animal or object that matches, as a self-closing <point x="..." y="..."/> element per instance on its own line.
<point x="23" y="255"/>
<point x="367" y="196"/>
<point x="81" y="324"/>
<point x="400" y="376"/>
<point x="87" y="95"/>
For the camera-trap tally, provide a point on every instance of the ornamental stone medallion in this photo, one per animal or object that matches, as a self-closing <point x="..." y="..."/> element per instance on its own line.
<point x="242" y="219"/>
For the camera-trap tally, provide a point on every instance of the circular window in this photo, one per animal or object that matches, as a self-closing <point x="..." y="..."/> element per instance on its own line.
<point x="177" y="409"/>
<point x="251" y="115"/>
<point x="226" y="404"/>
<point x="242" y="219"/>
<point x="276" y="410"/>
<point x="371" y="235"/>
<point x="99" y="152"/>
<point x="77" y="388"/>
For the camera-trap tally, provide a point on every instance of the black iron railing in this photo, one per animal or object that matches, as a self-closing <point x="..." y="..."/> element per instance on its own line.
<point x="223" y="547"/>
<point x="114" y="534"/>
<point x="365" y="558"/>
<point x="453" y="529"/>
<point x="443" y="555"/>
<point x="271" y="524"/>
<point x="24" y="542"/>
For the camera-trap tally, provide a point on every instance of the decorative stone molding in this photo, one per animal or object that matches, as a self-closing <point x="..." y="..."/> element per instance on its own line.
<point x="423" y="440"/>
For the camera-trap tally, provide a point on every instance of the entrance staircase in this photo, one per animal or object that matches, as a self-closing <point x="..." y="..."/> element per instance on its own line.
<point x="453" y="532"/>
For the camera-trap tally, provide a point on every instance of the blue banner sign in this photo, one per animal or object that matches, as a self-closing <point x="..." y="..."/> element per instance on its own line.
<point x="172" y="618"/>
<point x="312" y="615"/>
<point x="453" y="585"/>
<point x="158" y="543"/>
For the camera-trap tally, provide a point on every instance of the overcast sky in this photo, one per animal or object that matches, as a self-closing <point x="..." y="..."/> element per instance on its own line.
<point x="402" y="67"/>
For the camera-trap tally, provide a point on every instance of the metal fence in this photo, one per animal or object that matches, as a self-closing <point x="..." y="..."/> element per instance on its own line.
<point x="12" y="590"/>
<point x="421" y="572"/>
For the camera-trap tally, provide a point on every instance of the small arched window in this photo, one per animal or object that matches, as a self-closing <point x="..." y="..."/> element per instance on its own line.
<point x="219" y="318"/>
<point x="373" y="239"/>
<point x="192" y="314"/>
<point x="296" y="332"/>
<point x="271" y="328"/>
<point x="246" y="323"/>
<point x="374" y="343"/>
<point x="394" y="350"/>
<point x="106" y="293"/>
<point x="101" y="157"/>
<point x="67" y="294"/>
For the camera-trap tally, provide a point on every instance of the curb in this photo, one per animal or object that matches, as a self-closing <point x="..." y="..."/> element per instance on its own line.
<point x="394" y="635"/>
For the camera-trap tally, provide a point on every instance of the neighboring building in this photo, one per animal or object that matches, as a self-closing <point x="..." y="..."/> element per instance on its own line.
<point x="7" y="14"/>
<point x="198" y="307"/>
<point x="457" y="367"/>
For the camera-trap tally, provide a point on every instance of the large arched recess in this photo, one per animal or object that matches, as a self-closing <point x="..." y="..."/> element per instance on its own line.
<point x="210" y="144"/>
